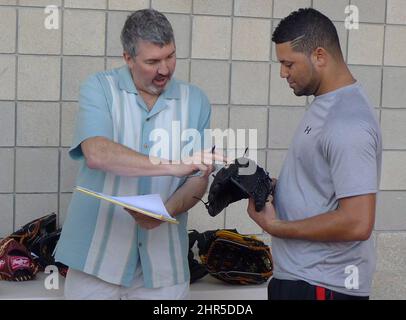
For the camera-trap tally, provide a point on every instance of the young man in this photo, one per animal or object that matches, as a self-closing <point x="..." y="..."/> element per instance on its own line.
<point x="323" y="210"/>
<point x="112" y="253"/>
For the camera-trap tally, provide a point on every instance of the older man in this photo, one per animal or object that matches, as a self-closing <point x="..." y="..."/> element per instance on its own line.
<point x="112" y="253"/>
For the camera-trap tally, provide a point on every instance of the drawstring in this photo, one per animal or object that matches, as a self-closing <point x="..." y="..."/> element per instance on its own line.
<point x="205" y="203"/>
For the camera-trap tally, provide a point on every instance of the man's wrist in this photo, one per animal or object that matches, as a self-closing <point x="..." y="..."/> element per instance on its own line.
<point x="272" y="226"/>
<point x="171" y="211"/>
<point x="166" y="168"/>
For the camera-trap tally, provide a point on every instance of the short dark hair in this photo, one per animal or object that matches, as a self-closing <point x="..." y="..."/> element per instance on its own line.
<point x="146" y="24"/>
<point x="308" y="29"/>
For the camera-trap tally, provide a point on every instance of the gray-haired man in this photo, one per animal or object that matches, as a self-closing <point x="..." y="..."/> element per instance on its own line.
<point x="114" y="254"/>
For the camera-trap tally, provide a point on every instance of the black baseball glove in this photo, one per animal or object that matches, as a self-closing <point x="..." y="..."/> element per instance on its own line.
<point x="240" y="180"/>
<point x="40" y="237"/>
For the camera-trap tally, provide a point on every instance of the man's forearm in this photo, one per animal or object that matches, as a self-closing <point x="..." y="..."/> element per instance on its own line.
<point x="353" y="220"/>
<point x="324" y="227"/>
<point x="183" y="199"/>
<point x="329" y="226"/>
<point x="103" y="154"/>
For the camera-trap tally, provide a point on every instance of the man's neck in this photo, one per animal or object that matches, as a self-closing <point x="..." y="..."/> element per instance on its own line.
<point x="336" y="78"/>
<point x="148" y="98"/>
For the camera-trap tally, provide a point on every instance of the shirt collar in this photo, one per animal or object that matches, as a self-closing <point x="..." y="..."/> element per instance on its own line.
<point x="172" y="91"/>
<point x="125" y="81"/>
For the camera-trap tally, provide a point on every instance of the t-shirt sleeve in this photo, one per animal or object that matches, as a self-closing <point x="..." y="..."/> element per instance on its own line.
<point x="93" y="118"/>
<point x="352" y="154"/>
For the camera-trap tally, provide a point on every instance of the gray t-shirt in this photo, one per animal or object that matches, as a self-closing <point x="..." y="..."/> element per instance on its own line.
<point x="336" y="152"/>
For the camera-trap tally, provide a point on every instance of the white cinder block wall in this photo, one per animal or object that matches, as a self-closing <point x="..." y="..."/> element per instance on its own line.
<point x="224" y="47"/>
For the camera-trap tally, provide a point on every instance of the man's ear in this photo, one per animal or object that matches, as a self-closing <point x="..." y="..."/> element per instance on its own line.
<point x="319" y="57"/>
<point x="127" y="58"/>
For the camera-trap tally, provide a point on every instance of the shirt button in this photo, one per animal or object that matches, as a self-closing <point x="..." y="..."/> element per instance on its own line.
<point x="140" y="244"/>
<point x="147" y="119"/>
<point x="145" y="146"/>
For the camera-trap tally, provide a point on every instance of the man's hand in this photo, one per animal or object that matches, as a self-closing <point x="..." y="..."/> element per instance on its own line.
<point x="143" y="220"/>
<point x="266" y="216"/>
<point x="199" y="161"/>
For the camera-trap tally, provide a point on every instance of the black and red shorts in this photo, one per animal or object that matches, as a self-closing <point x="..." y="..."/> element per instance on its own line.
<point x="301" y="290"/>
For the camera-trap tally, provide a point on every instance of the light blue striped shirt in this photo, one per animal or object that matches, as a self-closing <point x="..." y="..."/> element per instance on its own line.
<point x="100" y="238"/>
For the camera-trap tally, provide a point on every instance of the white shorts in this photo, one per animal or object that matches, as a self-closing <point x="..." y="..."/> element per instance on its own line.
<point x="82" y="286"/>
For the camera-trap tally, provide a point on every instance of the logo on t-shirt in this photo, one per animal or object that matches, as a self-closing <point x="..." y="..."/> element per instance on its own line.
<point x="307" y="130"/>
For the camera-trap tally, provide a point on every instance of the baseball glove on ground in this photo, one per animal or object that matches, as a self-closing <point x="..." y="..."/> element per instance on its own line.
<point x="16" y="263"/>
<point x="40" y="237"/>
<point x="233" y="183"/>
<point x="238" y="259"/>
<point x="30" y="234"/>
<point x="46" y="251"/>
<point x="197" y="269"/>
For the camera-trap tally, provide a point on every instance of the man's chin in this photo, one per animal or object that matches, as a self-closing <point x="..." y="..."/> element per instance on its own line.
<point x="159" y="89"/>
<point x="156" y="90"/>
<point x="301" y="93"/>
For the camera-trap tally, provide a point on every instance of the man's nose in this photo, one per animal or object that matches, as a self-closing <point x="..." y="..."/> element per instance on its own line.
<point x="163" y="68"/>
<point x="283" y="72"/>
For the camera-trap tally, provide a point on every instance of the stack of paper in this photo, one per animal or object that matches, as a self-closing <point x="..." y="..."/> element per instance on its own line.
<point x="150" y="204"/>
